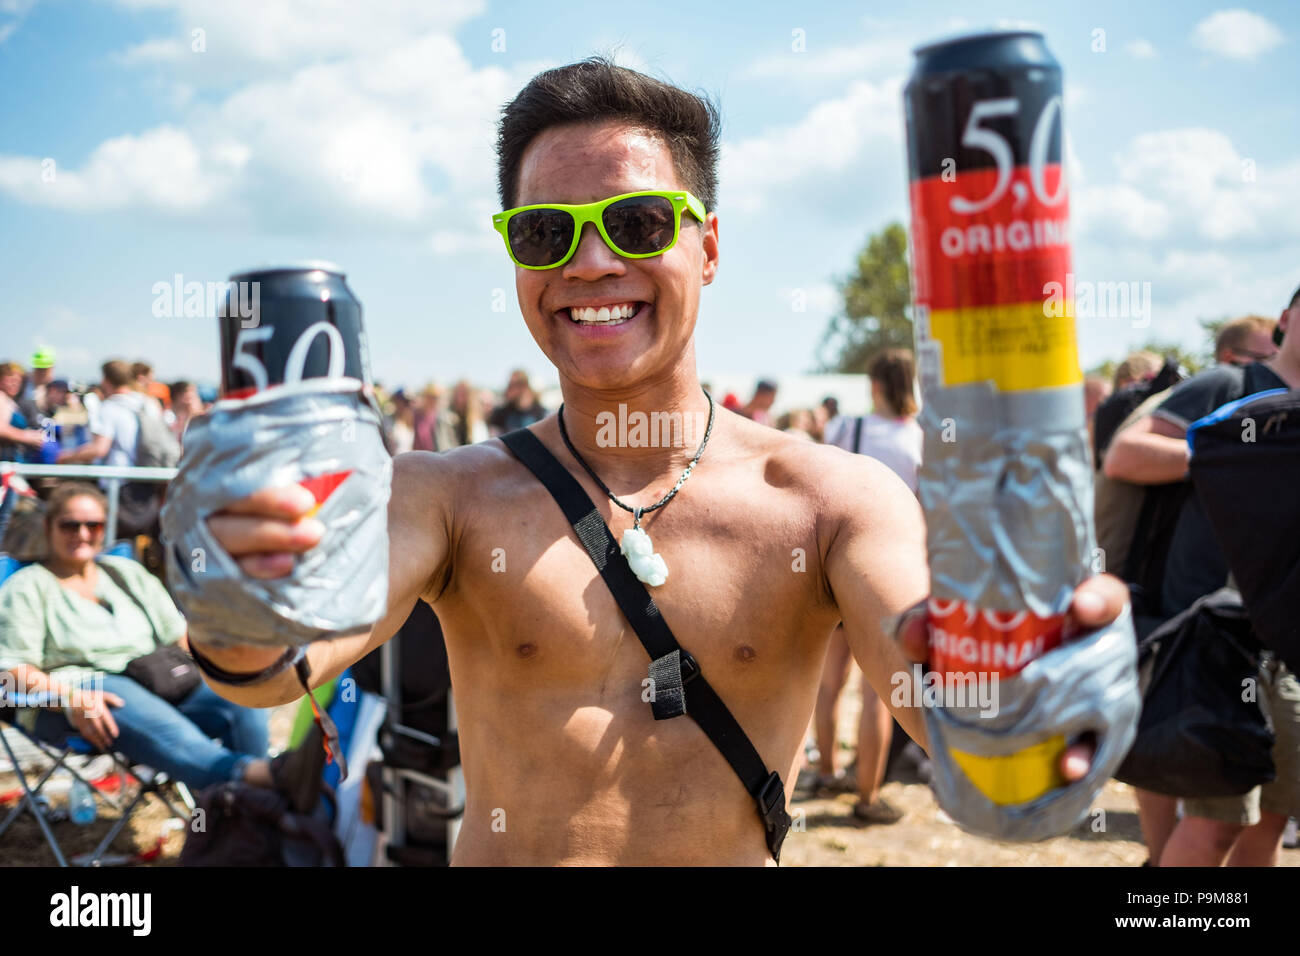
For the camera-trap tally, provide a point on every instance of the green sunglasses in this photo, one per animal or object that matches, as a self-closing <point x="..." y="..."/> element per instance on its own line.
<point x="635" y="225"/>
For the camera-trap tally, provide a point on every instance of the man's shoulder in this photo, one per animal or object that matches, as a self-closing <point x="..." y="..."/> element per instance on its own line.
<point x="119" y="407"/>
<point x="838" y="481"/>
<point x="1202" y="393"/>
<point x="428" y="475"/>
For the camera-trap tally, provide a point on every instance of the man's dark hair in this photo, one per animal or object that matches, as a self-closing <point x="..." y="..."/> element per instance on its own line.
<point x="1295" y="299"/>
<point x="765" y="387"/>
<point x="595" y="89"/>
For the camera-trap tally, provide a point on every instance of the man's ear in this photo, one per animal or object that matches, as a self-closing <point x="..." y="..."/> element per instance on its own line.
<point x="709" y="228"/>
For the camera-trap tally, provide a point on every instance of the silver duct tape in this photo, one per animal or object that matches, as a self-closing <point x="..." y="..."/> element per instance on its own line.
<point x="280" y="437"/>
<point x="1086" y="685"/>
<point x="1006" y="484"/>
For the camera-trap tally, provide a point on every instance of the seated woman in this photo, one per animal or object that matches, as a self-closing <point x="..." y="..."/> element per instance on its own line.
<point x="65" y="624"/>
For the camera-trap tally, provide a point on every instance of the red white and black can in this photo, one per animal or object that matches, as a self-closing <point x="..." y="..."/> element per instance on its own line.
<point x="1006" y="473"/>
<point x="283" y="324"/>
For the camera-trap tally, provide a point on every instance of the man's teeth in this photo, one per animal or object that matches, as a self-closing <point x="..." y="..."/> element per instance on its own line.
<point x="605" y="315"/>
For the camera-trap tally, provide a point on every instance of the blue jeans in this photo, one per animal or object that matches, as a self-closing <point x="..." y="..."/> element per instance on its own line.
<point x="177" y="738"/>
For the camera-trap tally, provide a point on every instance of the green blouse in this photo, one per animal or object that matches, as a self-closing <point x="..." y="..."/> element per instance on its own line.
<point x="48" y="626"/>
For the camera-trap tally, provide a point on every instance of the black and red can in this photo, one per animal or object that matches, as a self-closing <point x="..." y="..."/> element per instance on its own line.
<point x="990" y="210"/>
<point x="283" y="324"/>
<point x="1006" y="471"/>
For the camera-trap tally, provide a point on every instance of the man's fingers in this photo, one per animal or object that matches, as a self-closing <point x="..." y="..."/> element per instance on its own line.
<point x="911" y="632"/>
<point x="242" y="535"/>
<point x="1075" y="761"/>
<point x="289" y="501"/>
<point x="1097" y="603"/>
<point x="276" y="565"/>
<point x="113" y="700"/>
<point x="109" y="725"/>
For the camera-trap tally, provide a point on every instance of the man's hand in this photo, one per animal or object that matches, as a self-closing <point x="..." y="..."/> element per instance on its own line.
<point x="267" y="530"/>
<point x="1097" y="602"/>
<point x="91" y="717"/>
<point x="265" y="533"/>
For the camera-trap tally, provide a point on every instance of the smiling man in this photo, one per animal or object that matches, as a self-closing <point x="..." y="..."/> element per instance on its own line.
<point x="761" y="543"/>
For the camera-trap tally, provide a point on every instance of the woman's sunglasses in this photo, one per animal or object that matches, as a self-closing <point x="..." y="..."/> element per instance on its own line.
<point x="634" y="225"/>
<point x="70" y="526"/>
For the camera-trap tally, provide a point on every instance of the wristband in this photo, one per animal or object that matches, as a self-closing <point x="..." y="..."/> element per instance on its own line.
<point x="292" y="657"/>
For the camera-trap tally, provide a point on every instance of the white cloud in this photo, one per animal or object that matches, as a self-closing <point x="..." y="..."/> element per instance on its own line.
<point x="160" y="169"/>
<point x="275" y="35"/>
<point x="12" y="13"/>
<point x="1141" y="50"/>
<point x="872" y="57"/>
<point x="1118" y="208"/>
<point x="1236" y="34"/>
<point x="827" y="140"/>
<point x="374" y="118"/>
<point x="1192" y="186"/>
<point x="157" y="50"/>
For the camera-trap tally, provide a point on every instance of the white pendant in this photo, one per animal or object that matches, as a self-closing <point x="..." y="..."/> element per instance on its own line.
<point x="648" y="567"/>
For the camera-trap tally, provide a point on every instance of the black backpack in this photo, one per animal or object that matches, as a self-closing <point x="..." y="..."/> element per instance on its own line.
<point x="237" y="824"/>
<point x="1248" y="490"/>
<point x="1197" y="737"/>
<point x="245" y="825"/>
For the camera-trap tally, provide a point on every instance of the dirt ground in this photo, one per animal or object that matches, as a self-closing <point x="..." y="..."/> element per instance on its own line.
<point x="826" y="832"/>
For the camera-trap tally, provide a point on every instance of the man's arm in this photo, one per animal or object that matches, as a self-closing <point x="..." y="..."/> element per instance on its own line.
<point x="265" y="532"/>
<point x="88" y="453"/>
<point x="876" y="568"/>
<point x="1151" y="451"/>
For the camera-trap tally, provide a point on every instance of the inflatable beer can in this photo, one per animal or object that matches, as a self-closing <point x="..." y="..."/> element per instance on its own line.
<point x="1006" y="474"/>
<point x="297" y="407"/>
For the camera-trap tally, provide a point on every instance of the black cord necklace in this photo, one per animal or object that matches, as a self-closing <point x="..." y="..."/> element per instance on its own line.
<point x="648" y="566"/>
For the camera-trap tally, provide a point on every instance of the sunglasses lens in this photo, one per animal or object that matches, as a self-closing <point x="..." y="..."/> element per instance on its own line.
<point x="71" y="527"/>
<point x="640" y="225"/>
<point x="540" y="237"/>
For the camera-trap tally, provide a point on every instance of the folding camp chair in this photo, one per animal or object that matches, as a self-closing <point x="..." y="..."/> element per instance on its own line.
<point x="151" y="782"/>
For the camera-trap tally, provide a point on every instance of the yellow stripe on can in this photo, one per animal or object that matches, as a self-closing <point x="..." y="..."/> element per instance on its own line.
<point x="1015" y="778"/>
<point x="1017" y="346"/>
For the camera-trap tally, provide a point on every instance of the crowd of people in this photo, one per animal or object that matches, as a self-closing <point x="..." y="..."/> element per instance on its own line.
<point x="1137" y="420"/>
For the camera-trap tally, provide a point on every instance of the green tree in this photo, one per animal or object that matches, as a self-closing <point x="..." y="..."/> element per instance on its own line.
<point x="877" y="309"/>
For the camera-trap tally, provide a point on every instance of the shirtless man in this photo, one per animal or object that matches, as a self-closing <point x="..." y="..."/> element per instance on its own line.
<point x="769" y="544"/>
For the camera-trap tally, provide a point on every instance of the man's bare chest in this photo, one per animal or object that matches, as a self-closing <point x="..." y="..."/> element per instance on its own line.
<point x="745" y="592"/>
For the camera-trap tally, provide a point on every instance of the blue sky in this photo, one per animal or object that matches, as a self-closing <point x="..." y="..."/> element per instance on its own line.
<point x="361" y="133"/>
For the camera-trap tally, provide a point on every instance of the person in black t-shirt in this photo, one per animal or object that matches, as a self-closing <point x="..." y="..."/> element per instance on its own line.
<point x="1154" y="452"/>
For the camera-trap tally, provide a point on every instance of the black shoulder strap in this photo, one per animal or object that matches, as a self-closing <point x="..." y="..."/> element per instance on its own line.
<point x="678" y="686"/>
<point x="116" y="577"/>
<point x="857" y="435"/>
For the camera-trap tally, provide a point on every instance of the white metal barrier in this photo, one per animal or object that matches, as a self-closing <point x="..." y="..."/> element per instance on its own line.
<point x="112" y="475"/>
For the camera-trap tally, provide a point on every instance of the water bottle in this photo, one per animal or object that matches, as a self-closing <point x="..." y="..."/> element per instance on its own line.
<point x="81" y="803"/>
